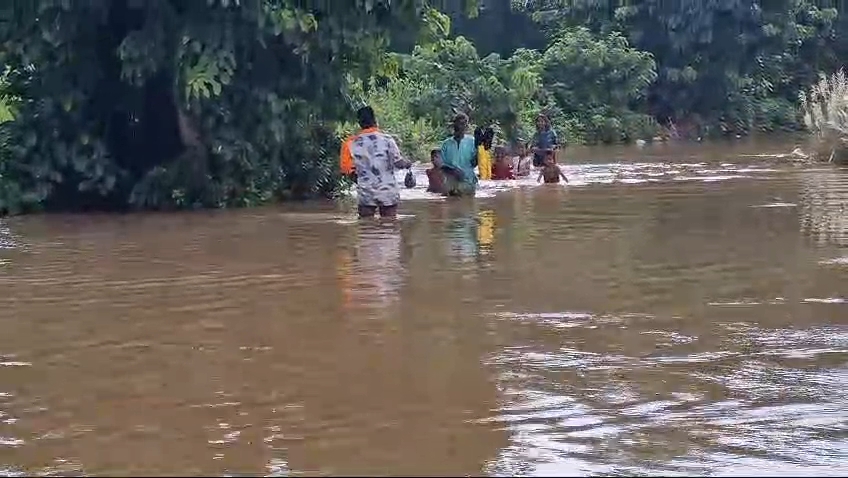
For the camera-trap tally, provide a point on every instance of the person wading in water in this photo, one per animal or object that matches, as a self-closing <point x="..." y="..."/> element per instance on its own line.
<point x="373" y="157"/>
<point x="459" y="157"/>
<point x="544" y="139"/>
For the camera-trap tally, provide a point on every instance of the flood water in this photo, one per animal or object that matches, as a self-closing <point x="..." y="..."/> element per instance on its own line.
<point x="675" y="310"/>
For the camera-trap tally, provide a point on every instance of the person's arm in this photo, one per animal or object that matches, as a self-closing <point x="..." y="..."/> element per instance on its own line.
<point x="562" y="175"/>
<point x="554" y="140"/>
<point x="447" y="161"/>
<point x="395" y="156"/>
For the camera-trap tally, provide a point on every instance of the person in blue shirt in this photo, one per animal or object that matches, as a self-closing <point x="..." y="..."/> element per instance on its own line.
<point x="459" y="158"/>
<point x="544" y="140"/>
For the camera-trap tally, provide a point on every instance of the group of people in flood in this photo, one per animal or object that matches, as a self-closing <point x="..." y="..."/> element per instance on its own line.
<point x="372" y="157"/>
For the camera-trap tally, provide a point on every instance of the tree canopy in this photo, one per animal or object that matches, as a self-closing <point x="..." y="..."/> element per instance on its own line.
<point x="114" y="104"/>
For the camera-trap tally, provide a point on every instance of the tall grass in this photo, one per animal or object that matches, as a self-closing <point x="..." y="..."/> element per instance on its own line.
<point x="825" y="111"/>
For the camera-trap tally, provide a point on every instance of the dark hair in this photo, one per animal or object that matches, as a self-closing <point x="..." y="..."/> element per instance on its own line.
<point x="366" y="117"/>
<point x="544" y="118"/>
<point x="435" y="152"/>
<point x="489" y="136"/>
<point x="459" y="116"/>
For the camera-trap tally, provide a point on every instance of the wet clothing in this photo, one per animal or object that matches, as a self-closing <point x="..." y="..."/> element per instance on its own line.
<point x="484" y="163"/>
<point x="455" y="187"/>
<point x="543" y="140"/>
<point x="374" y="157"/>
<point x="436" y="180"/>
<point x="460" y="156"/>
<point x="551" y="174"/>
<point x="502" y="170"/>
<point x="521" y="166"/>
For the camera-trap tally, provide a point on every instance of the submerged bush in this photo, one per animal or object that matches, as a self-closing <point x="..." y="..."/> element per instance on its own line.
<point x="825" y="110"/>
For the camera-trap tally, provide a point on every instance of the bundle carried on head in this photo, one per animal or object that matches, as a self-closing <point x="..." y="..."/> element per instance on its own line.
<point x="488" y="137"/>
<point x="483" y="137"/>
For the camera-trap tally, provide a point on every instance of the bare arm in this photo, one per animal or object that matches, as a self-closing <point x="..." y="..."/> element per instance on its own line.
<point x="395" y="156"/>
<point x="562" y="175"/>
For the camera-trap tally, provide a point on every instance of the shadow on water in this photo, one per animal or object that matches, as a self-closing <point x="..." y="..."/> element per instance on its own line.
<point x="655" y="317"/>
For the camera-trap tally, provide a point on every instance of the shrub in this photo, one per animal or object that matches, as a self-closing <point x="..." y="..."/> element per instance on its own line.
<point x="825" y="111"/>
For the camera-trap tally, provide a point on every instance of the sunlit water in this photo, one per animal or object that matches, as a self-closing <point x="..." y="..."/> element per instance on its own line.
<point x="673" y="310"/>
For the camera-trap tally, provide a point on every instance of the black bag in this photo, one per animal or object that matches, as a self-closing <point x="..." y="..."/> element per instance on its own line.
<point x="409" y="180"/>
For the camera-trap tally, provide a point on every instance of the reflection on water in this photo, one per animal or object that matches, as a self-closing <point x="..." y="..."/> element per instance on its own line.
<point x="825" y="205"/>
<point x="664" y="316"/>
<point x="486" y="231"/>
<point x="370" y="269"/>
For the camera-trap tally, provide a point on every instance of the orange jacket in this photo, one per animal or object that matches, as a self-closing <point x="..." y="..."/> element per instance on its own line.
<point x="345" y="158"/>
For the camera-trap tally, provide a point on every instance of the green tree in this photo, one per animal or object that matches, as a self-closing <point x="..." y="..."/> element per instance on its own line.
<point x="166" y="103"/>
<point x="597" y="81"/>
<point x="723" y="66"/>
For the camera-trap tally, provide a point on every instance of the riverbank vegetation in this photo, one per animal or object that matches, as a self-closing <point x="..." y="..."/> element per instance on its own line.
<point x="825" y="110"/>
<point x="121" y="104"/>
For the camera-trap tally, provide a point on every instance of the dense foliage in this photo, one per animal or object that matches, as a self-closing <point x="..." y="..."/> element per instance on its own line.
<point x="183" y="103"/>
<point x="214" y="103"/>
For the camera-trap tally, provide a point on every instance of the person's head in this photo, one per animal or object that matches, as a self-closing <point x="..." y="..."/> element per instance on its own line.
<point x="500" y="153"/>
<point x="550" y="159"/>
<point x="543" y="123"/>
<point x="435" y="156"/>
<point x="366" y="117"/>
<point x="459" y="123"/>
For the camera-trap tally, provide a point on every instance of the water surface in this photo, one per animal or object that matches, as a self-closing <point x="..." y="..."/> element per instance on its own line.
<point x="673" y="311"/>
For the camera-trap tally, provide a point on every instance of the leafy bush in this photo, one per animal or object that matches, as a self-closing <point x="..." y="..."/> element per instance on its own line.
<point x="584" y="82"/>
<point x="825" y="110"/>
<point x="184" y="104"/>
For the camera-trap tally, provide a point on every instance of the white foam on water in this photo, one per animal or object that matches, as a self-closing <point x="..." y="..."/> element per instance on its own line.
<point x="829" y="300"/>
<point x="837" y="261"/>
<point x="588" y="174"/>
<point x="776" y="204"/>
<point x="15" y="364"/>
<point x="710" y="179"/>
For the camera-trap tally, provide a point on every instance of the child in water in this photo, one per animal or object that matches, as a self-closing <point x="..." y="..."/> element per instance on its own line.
<point x="501" y="169"/>
<point x="551" y="171"/>
<point x="522" y="161"/>
<point x="435" y="175"/>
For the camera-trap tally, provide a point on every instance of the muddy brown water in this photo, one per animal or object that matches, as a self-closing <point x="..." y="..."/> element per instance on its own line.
<point x="675" y="310"/>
